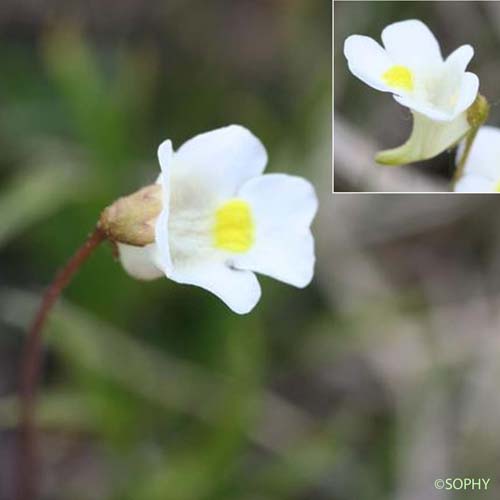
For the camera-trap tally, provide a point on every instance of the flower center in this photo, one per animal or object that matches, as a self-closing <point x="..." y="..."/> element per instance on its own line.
<point x="399" y="77"/>
<point x="234" y="228"/>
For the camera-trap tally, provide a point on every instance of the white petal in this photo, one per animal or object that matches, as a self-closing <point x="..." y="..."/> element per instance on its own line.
<point x="454" y="95"/>
<point x="454" y="91"/>
<point x="425" y="108"/>
<point x="165" y="156"/>
<point x="448" y="94"/>
<point x="367" y="60"/>
<point x="484" y="156"/>
<point x="468" y="92"/>
<point x="239" y="290"/>
<point x="474" y="183"/>
<point x="460" y="57"/>
<point x="139" y="261"/>
<point x="224" y="158"/>
<point x="411" y="43"/>
<point x="283" y="207"/>
<point x="457" y="90"/>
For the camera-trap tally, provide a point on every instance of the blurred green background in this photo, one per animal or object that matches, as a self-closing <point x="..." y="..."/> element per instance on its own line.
<point x="375" y="381"/>
<point x="155" y="390"/>
<point x="367" y="120"/>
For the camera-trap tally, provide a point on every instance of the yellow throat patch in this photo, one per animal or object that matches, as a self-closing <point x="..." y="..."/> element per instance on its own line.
<point x="234" y="228"/>
<point x="399" y="77"/>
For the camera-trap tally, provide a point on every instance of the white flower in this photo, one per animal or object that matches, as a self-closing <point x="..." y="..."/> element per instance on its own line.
<point x="411" y="67"/>
<point x="482" y="168"/>
<point x="222" y="220"/>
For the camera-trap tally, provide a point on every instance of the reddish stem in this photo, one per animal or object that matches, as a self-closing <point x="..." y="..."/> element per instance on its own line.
<point x="27" y="473"/>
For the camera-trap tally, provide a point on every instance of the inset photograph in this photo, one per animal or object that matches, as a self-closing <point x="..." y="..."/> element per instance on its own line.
<point x="416" y="97"/>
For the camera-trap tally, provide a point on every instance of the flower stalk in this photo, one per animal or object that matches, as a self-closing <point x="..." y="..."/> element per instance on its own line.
<point x="469" y="141"/>
<point x="27" y="472"/>
<point x="477" y="115"/>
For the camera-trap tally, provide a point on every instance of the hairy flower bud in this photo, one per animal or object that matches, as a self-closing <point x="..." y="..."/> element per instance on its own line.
<point x="131" y="219"/>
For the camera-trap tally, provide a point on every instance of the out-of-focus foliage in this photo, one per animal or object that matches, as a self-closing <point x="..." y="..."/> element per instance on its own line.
<point x="154" y="390"/>
<point x="374" y="120"/>
<point x="372" y="383"/>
